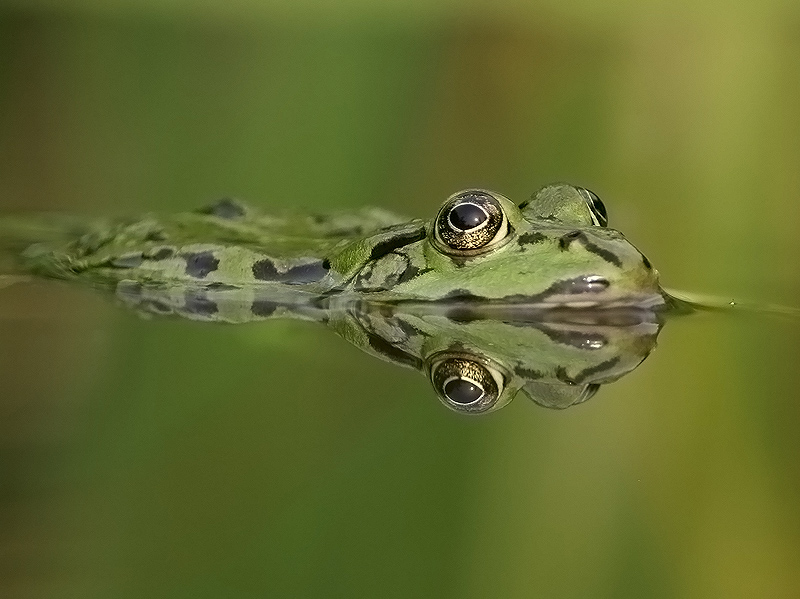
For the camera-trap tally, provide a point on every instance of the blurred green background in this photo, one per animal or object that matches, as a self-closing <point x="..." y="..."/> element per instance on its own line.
<point x="175" y="459"/>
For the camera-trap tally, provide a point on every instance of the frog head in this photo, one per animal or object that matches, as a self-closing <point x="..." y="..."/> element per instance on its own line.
<point x="551" y="251"/>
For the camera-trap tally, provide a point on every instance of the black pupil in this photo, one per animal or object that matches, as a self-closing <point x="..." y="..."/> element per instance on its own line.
<point x="462" y="391"/>
<point x="467" y="216"/>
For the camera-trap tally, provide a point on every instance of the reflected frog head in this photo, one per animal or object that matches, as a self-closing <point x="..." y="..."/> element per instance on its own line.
<point x="477" y="359"/>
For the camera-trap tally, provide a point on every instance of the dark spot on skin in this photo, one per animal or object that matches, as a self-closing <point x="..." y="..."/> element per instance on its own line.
<point x="530" y="238"/>
<point x="389" y="245"/>
<point x="607" y="255"/>
<point x="326" y="264"/>
<point x="196" y="302"/>
<point x="412" y="272"/>
<point x="527" y="373"/>
<point x="216" y="286"/>
<point x="646" y="262"/>
<point x="127" y="261"/>
<point x="578" y="339"/>
<point x="393" y="353"/>
<point x="597" y="368"/>
<point x="162" y="254"/>
<point x="462" y="295"/>
<point x="524" y="204"/>
<point x="200" y="264"/>
<point x="264" y="270"/>
<point x="565" y="240"/>
<point x="561" y="373"/>
<point x="226" y="208"/>
<point x="409" y="273"/>
<point x="155" y="235"/>
<point x="305" y="273"/>
<point x="263" y="308"/>
<point x="463" y="313"/>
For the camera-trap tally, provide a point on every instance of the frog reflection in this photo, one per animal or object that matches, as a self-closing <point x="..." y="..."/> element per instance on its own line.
<point x="478" y="361"/>
<point x="477" y="357"/>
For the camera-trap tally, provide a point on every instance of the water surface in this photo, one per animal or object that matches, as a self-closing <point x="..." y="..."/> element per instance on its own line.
<point x="156" y="457"/>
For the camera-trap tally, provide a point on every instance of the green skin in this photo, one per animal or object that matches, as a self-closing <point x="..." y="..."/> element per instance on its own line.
<point x="540" y="298"/>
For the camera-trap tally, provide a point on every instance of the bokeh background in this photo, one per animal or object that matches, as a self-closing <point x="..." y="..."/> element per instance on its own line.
<point x="175" y="459"/>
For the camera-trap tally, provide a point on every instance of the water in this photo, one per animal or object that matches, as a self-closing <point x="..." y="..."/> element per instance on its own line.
<point x="169" y="458"/>
<point x="196" y="459"/>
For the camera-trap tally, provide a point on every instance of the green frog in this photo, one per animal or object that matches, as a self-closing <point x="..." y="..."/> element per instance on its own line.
<point x="552" y="251"/>
<point x="487" y="299"/>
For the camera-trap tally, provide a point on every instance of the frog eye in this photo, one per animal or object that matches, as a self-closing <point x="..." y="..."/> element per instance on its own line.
<point x="465" y="384"/>
<point x="597" y="209"/>
<point x="470" y="221"/>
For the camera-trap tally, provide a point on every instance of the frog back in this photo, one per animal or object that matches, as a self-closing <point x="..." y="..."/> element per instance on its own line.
<point x="224" y="244"/>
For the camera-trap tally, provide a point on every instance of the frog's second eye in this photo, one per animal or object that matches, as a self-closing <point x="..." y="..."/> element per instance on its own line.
<point x="470" y="221"/>
<point x="466" y="385"/>
<point x="597" y="209"/>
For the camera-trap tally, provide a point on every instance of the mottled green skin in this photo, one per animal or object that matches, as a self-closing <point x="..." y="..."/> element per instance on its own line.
<point x="553" y="255"/>
<point x="154" y="249"/>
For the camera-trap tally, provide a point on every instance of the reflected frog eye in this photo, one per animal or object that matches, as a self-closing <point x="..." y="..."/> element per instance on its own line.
<point x="470" y="221"/>
<point x="465" y="384"/>
<point x="596" y="207"/>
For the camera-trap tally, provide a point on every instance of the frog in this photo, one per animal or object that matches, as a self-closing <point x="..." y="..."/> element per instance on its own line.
<point x="488" y="299"/>
<point x="552" y="251"/>
<point x="477" y="361"/>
